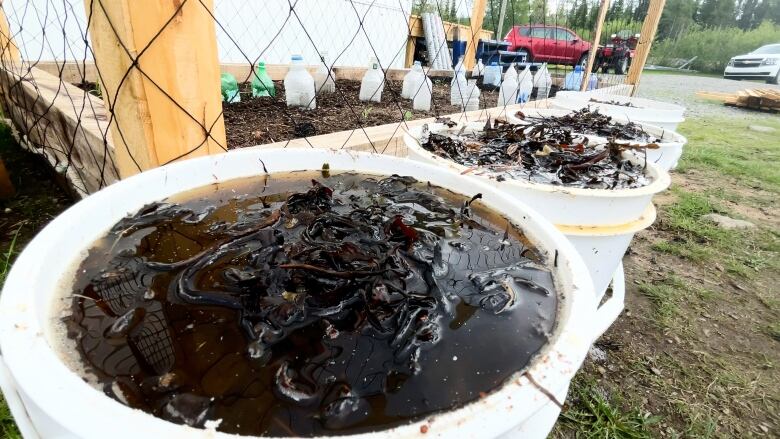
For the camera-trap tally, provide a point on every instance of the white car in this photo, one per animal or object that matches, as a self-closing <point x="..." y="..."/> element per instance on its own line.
<point x="762" y="63"/>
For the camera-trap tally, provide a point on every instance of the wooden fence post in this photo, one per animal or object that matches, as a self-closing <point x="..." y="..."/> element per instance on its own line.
<point x="163" y="108"/>
<point x="477" y="17"/>
<point x="646" y="37"/>
<point x="9" y="56"/>
<point x="595" y="44"/>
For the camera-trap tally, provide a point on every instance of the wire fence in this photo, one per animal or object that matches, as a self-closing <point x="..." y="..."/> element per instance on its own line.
<point x="107" y="88"/>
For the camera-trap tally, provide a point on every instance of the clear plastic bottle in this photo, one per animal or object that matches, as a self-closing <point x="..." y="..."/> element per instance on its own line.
<point x="573" y="79"/>
<point x="478" y="70"/>
<point x="492" y="77"/>
<point x="543" y="82"/>
<point x="458" y="85"/>
<point x="373" y="83"/>
<point x="412" y="81"/>
<point x="323" y="78"/>
<point x="525" y="85"/>
<point x="229" y="87"/>
<point x="471" y="102"/>
<point x="299" y="85"/>
<point x="508" y="92"/>
<point x="262" y="85"/>
<point x="422" y="97"/>
<point x="593" y="81"/>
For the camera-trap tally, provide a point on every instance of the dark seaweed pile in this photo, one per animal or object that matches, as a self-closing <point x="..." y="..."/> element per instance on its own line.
<point x="540" y="153"/>
<point x="310" y="307"/>
<point x="585" y="121"/>
<point x="612" y="102"/>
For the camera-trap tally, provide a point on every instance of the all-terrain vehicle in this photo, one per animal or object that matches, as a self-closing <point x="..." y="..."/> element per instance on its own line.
<point x="617" y="54"/>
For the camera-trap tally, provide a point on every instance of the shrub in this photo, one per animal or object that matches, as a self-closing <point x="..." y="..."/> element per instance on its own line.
<point x="713" y="46"/>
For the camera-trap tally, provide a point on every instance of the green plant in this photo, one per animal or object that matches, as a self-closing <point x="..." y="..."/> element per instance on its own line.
<point x="713" y="46"/>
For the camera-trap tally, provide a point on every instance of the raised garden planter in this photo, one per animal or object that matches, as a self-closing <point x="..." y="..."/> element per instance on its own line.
<point x="660" y="114"/>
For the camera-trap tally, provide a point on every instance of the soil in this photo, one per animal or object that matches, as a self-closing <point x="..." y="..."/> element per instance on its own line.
<point x="255" y="121"/>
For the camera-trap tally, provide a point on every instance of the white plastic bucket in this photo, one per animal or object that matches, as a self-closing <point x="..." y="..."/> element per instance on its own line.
<point x="661" y="114"/>
<point x="599" y="222"/>
<point x="666" y="156"/>
<point x="49" y="400"/>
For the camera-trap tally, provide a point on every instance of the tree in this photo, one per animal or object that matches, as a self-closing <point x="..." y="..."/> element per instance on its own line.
<point x="717" y="13"/>
<point x="677" y="18"/>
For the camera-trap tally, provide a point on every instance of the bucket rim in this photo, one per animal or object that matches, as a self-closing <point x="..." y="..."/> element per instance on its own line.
<point x="23" y="321"/>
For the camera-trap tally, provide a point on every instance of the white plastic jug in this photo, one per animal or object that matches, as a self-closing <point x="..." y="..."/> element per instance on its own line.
<point x="542" y="82"/>
<point x="299" y="85"/>
<point x="526" y="85"/>
<point x="508" y="93"/>
<point x="471" y="99"/>
<point x="492" y="75"/>
<point x="478" y="70"/>
<point x="593" y="81"/>
<point x="412" y="80"/>
<point x="324" y="81"/>
<point x="573" y="79"/>
<point x="422" y="97"/>
<point x="373" y="83"/>
<point x="458" y="90"/>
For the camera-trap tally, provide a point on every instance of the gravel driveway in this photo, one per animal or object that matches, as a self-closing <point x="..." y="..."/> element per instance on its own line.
<point x="681" y="89"/>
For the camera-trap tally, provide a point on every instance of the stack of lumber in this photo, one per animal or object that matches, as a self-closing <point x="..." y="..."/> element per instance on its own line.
<point x="767" y="99"/>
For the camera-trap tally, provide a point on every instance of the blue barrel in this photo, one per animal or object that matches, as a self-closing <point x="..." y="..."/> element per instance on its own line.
<point x="458" y="50"/>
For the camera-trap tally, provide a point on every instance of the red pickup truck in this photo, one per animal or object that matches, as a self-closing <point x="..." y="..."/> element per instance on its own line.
<point x="552" y="44"/>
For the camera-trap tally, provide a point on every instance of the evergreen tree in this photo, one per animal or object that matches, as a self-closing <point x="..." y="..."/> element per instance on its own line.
<point x="677" y="18"/>
<point x="640" y="11"/>
<point x="717" y="13"/>
<point x="615" y="11"/>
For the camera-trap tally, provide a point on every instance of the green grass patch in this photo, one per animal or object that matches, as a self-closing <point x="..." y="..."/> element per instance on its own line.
<point x="7" y="425"/>
<point x="592" y="415"/>
<point x="773" y="330"/>
<point x="668" y="295"/>
<point x="729" y="147"/>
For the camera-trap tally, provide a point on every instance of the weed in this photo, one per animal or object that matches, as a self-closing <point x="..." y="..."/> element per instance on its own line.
<point x="408" y="115"/>
<point x="7" y="426"/>
<point x="773" y="330"/>
<point x="592" y="415"/>
<point x="666" y="297"/>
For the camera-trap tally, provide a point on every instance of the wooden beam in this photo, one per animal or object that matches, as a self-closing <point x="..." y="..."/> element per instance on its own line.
<point x="595" y="43"/>
<point x="477" y="17"/>
<point x="9" y="51"/>
<point x="169" y="105"/>
<point x="646" y="37"/>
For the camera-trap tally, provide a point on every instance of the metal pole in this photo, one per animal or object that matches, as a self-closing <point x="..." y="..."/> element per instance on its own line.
<point x="500" y="29"/>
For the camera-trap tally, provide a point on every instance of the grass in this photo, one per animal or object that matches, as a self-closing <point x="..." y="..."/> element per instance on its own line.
<point x="7" y="425"/>
<point x="593" y="415"/>
<point x="727" y="146"/>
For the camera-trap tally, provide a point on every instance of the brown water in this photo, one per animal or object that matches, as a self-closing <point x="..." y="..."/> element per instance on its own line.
<point x="290" y="307"/>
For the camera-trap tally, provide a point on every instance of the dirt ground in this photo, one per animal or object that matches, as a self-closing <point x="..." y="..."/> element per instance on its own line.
<point x="255" y="121"/>
<point x="696" y="352"/>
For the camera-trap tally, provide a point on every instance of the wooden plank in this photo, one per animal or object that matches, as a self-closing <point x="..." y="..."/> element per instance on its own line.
<point x="646" y="37"/>
<point x="65" y="125"/>
<point x="169" y="106"/>
<point x="477" y="17"/>
<point x="595" y="43"/>
<point x="9" y="52"/>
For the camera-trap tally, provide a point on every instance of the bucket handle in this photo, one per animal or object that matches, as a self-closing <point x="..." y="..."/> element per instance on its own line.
<point x="15" y="403"/>
<point x="609" y="311"/>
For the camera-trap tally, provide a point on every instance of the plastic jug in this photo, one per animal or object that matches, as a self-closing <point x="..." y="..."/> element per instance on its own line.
<point x="508" y="93"/>
<point x="262" y="85"/>
<point x="526" y="85"/>
<point x="323" y="78"/>
<point x="229" y="87"/>
<point x="492" y="77"/>
<point x="422" y="98"/>
<point x="478" y="70"/>
<point x="458" y="85"/>
<point x="573" y="79"/>
<point x="458" y="90"/>
<point x="373" y="83"/>
<point x="593" y="81"/>
<point x="299" y="85"/>
<point x="542" y="82"/>
<point x="412" y="81"/>
<point x="471" y="99"/>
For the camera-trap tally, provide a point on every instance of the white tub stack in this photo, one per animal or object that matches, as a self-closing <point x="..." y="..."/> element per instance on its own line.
<point x="640" y="110"/>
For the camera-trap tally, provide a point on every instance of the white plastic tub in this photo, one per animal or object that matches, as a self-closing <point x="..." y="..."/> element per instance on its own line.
<point x="599" y="222"/>
<point x="666" y="156"/>
<point x="661" y="114"/>
<point x="48" y="400"/>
